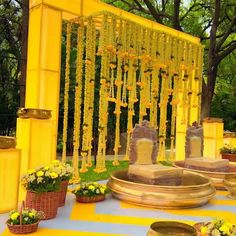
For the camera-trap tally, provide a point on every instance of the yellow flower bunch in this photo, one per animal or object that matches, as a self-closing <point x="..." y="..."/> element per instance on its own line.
<point x="90" y="189"/>
<point x="29" y="216"/>
<point x="46" y="178"/>
<point x="218" y="227"/>
<point x="60" y="169"/>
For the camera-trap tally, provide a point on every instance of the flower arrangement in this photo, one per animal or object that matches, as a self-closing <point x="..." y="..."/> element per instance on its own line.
<point x="42" y="179"/>
<point x="228" y="149"/>
<point x="90" y="189"/>
<point x="29" y="216"/>
<point x="218" y="227"/>
<point x="47" y="178"/>
<point x="63" y="170"/>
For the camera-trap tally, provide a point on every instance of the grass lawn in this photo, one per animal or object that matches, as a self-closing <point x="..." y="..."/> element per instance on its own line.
<point x="90" y="175"/>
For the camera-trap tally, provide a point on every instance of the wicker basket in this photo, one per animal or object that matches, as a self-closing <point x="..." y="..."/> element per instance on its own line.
<point x="23" y="229"/>
<point x="229" y="156"/>
<point x="62" y="193"/>
<point x="47" y="202"/>
<point x="89" y="199"/>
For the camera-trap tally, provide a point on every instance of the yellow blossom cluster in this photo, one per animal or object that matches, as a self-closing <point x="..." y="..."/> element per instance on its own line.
<point x="29" y="216"/>
<point x="90" y="189"/>
<point x="47" y="178"/>
<point x="218" y="227"/>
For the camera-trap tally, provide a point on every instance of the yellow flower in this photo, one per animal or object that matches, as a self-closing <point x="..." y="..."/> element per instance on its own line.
<point x="31" y="171"/>
<point x="56" y="162"/>
<point x="204" y="229"/>
<point x="91" y="187"/>
<point x="40" y="173"/>
<point x="53" y="175"/>
<point x="14" y="216"/>
<point x="225" y="229"/>
<point x="46" y="168"/>
<point x="31" y="214"/>
<point x="229" y="225"/>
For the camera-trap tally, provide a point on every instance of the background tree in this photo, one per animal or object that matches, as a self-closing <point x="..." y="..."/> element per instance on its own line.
<point x="213" y="21"/>
<point x="13" y="59"/>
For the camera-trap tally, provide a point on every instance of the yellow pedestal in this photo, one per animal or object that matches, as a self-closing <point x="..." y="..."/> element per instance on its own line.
<point x="35" y="138"/>
<point x="230" y="139"/>
<point x="213" y="137"/>
<point x="9" y="178"/>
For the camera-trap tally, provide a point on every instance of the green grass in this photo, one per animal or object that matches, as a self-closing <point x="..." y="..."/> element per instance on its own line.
<point x="90" y="175"/>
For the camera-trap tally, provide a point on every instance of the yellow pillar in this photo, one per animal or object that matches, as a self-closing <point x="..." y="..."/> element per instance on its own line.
<point x="9" y="178"/>
<point x="38" y="138"/>
<point x="213" y="137"/>
<point x="181" y="126"/>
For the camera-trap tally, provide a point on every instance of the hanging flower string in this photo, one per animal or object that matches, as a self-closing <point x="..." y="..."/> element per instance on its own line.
<point x="66" y="91"/>
<point x="78" y="99"/>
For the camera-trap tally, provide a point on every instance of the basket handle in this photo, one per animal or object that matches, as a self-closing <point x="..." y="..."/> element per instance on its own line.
<point x="21" y="209"/>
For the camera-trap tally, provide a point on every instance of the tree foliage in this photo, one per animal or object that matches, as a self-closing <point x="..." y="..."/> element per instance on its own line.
<point x="10" y="54"/>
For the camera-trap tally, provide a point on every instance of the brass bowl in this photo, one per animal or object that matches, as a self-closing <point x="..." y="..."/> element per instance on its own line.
<point x="230" y="185"/>
<point x="34" y="113"/>
<point x="7" y="142"/>
<point x="171" y="228"/>
<point x="195" y="190"/>
<point x="217" y="178"/>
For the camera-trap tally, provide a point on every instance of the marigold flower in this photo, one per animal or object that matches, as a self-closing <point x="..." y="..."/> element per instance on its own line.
<point x="40" y="173"/>
<point x="46" y="168"/>
<point x="53" y="175"/>
<point x="55" y="162"/>
<point x="225" y="229"/>
<point x="14" y="216"/>
<point x="31" y="171"/>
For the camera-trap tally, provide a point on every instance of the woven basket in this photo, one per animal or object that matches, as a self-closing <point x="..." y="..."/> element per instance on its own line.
<point x="88" y="199"/>
<point x="229" y="156"/>
<point x="62" y="193"/>
<point x="23" y="229"/>
<point x="47" y="202"/>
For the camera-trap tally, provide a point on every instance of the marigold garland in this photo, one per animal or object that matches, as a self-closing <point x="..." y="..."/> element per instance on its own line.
<point x="78" y="98"/>
<point x="161" y="66"/>
<point x="66" y="91"/>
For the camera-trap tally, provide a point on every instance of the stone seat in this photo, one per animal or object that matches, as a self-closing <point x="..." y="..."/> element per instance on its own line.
<point x="155" y="174"/>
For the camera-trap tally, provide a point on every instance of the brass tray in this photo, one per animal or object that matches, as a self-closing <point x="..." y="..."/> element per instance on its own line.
<point x="217" y="178"/>
<point x="7" y="142"/>
<point x="171" y="228"/>
<point x="195" y="190"/>
<point x="34" y="113"/>
<point x="230" y="185"/>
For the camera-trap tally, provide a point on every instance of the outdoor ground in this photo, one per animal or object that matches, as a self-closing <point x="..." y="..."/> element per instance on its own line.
<point x="115" y="218"/>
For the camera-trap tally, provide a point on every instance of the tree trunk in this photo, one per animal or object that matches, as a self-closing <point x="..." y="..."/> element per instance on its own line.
<point x="208" y="92"/>
<point x="24" y="43"/>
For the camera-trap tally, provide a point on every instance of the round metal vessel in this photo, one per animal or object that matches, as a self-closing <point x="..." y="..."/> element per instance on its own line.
<point x="230" y="184"/>
<point x="195" y="190"/>
<point x="217" y="178"/>
<point x="165" y="228"/>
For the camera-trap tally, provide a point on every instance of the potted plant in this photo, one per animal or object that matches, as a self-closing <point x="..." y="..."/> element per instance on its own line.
<point x="90" y="192"/>
<point x="42" y="185"/>
<point x="24" y="221"/>
<point x="228" y="152"/>
<point x="216" y="227"/>
<point x="65" y="172"/>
